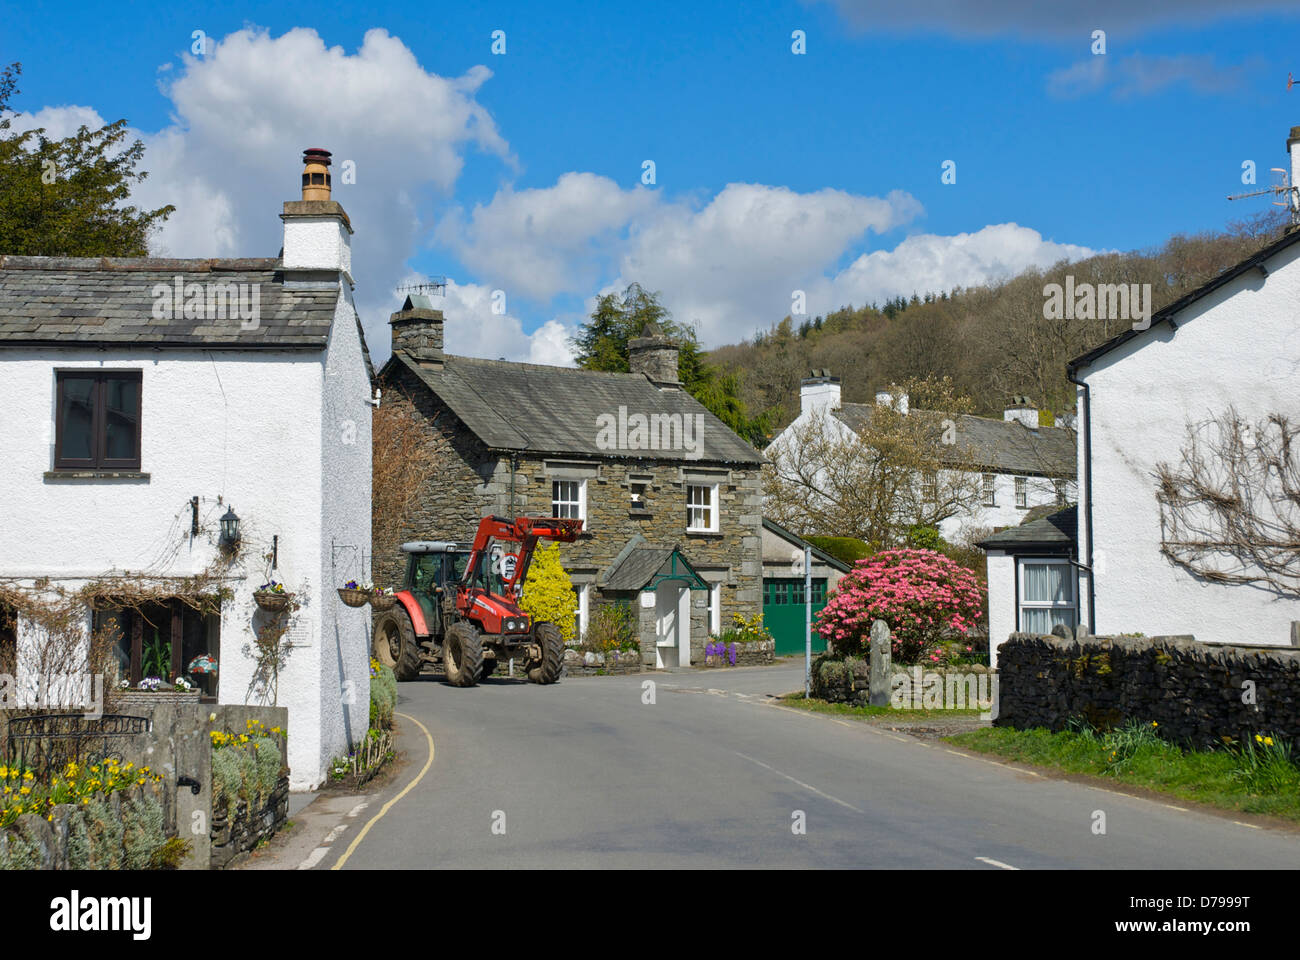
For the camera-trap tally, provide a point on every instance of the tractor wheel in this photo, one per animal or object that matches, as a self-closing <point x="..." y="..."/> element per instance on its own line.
<point x="547" y="670"/>
<point x="489" y="665"/>
<point x="395" y="644"/>
<point x="462" y="654"/>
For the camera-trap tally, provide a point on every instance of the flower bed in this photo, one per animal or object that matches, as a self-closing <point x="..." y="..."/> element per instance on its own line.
<point x="250" y="788"/>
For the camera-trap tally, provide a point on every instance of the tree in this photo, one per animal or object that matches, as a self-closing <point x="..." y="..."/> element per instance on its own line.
<point x="70" y="197"/>
<point x="920" y="594"/>
<point x="878" y="480"/>
<point x="602" y="344"/>
<point x="548" y="592"/>
<point x="1230" y="511"/>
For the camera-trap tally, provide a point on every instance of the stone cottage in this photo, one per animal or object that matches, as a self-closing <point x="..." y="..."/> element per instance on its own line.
<point x="670" y="497"/>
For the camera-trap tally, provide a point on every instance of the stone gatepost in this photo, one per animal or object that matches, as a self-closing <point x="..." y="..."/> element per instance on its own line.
<point x="881" y="662"/>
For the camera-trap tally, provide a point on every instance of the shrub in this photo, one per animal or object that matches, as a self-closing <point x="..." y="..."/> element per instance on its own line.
<point x="925" y="538"/>
<point x="845" y="549"/>
<point x="611" y="629"/>
<point x="246" y="766"/>
<point x="20" y="853"/>
<point x="383" y="695"/>
<point x="744" y="631"/>
<point x="920" y="594"/>
<point x="548" y="592"/>
<point x="142" y="832"/>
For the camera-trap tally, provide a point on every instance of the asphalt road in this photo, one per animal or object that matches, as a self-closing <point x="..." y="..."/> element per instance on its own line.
<point x="584" y="774"/>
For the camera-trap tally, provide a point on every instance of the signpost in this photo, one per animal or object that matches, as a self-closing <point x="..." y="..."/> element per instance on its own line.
<point x="807" y="621"/>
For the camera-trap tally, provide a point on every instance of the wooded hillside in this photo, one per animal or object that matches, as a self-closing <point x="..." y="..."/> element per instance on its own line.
<point x="992" y="341"/>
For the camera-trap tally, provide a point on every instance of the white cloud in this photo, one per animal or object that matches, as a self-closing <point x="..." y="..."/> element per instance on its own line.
<point x="932" y="263"/>
<point x="539" y="242"/>
<point x="1139" y="75"/>
<point x="473" y="329"/>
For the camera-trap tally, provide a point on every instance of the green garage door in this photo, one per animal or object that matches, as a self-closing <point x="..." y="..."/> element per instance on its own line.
<point x="784" y="612"/>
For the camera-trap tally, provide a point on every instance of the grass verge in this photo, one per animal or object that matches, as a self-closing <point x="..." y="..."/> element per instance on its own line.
<point x="867" y="712"/>
<point x="1259" y="776"/>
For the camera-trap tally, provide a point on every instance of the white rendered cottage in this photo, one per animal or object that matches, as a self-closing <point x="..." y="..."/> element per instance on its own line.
<point x="1229" y="349"/>
<point x="146" y="399"/>
<point x="1021" y="465"/>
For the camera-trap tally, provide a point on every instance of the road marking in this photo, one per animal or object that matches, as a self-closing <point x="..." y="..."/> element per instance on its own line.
<point x="1253" y="826"/>
<point x="801" y="783"/>
<point x="316" y="856"/>
<point x="997" y="863"/>
<point x="389" y="805"/>
<point x="334" y="834"/>
<point x="358" y="808"/>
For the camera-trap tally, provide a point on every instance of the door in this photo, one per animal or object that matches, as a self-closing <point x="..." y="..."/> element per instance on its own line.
<point x="784" y="613"/>
<point x="672" y="625"/>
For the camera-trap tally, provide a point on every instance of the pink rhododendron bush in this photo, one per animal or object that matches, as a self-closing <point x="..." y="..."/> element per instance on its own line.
<point x="921" y="594"/>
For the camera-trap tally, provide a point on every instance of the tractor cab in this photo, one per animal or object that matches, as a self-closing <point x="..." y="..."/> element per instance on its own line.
<point x="430" y="566"/>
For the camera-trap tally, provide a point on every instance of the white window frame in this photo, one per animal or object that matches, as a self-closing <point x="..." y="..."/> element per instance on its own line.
<point x="583" y="591"/>
<point x="989" y="490"/>
<point x="1022" y="604"/>
<point x="692" y="508"/>
<point x="1022" y="492"/>
<point x="929" y="487"/>
<point x="715" y="609"/>
<point x="580" y="502"/>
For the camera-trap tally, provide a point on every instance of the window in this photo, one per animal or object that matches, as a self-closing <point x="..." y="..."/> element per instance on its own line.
<point x="702" y="507"/>
<point x="796" y="592"/>
<point x="638" y="489"/>
<point x="930" y="488"/>
<point x="97" y="420"/>
<point x="989" y="490"/>
<point x="1047" y="595"/>
<point x="569" y="499"/>
<point x="1061" y="490"/>
<point x="1022" y="492"/>
<point x="580" y="616"/>
<point x="8" y="640"/>
<point x="819" y="591"/>
<point x="776" y="592"/>
<point x="162" y="640"/>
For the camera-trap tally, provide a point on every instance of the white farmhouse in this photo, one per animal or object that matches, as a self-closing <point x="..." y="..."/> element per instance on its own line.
<point x="1021" y="465"/>
<point x="147" y="400"/>
<point x="1229" y="350"/>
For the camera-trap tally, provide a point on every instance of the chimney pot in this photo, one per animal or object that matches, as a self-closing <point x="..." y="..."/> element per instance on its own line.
<point x="316" y="174"/>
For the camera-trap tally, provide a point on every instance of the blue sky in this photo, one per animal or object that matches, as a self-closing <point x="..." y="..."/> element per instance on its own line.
<point x="774" y="172"/>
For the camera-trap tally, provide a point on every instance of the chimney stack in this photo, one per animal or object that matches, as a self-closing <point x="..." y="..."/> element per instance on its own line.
<point x="818" y="392"/>
<point x="894" y="397"/>
<point x="317" y="232"/>
<point x="655" y="356"/>
<point x="417" y="331"/>
<point x="1022" y="409"/>
<point x="1293" y="151"/>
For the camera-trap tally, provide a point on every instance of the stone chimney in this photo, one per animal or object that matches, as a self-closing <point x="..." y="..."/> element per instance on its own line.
<point x="818" y="392"/>
<point x="895" y="397"/>
<point x="1023" y="410"/>
<point x="417" y="330"/>
<point x="317" y="232"/>
<point x="654" y="355"/>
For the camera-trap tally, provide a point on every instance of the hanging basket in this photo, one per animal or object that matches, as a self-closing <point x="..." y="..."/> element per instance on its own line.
<point x="379" y="602"/>
<point x="270" y="601"/>
<point x="352" y="597"/>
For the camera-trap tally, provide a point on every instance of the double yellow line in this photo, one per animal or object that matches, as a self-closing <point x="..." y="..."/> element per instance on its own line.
<point x="389" y="805"/>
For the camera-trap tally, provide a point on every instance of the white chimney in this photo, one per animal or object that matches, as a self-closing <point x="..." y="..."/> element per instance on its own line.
<point x="819" y="392"/>
<point x="893" y="397"/>
<point x="317" y="232"/>
<point x="1023" y="411"/>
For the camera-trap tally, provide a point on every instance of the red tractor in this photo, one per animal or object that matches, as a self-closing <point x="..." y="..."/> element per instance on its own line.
<point x="460" y="608"/>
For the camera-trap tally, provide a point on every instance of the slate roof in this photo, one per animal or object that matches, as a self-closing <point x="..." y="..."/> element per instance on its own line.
<point x="1000" y="446"/>
<point x="1057" y="532"/>
<point x="555" y="410"/>
<point x="634" y="569"/>
<point x="109" y="302"/>
<point x="794" y="538"/>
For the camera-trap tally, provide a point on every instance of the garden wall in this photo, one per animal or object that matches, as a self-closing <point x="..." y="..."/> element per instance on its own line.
<point x="848" y="680"/>
<point x="590" y="664"/>
<point x="1196" y="693"/>
<point x="753" y="654"/>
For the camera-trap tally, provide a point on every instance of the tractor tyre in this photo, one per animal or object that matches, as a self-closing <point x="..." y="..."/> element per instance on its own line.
<point x="462" y="654"/>
<point x="395" y="645"/>
<point x="547" y="670"/>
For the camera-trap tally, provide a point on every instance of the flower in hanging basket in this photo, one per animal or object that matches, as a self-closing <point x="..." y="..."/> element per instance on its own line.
<point x="203" y="663"/>
<point x="352" y="595"/>
<point x="273" y="587"/>
<point x="351" y="585"/>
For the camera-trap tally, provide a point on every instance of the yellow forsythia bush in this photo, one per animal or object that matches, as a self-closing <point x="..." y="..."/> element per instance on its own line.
<point x="548" y="591"/>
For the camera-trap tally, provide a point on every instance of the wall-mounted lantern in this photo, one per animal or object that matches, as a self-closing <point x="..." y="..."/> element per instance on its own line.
<point x="229" y="528"/>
